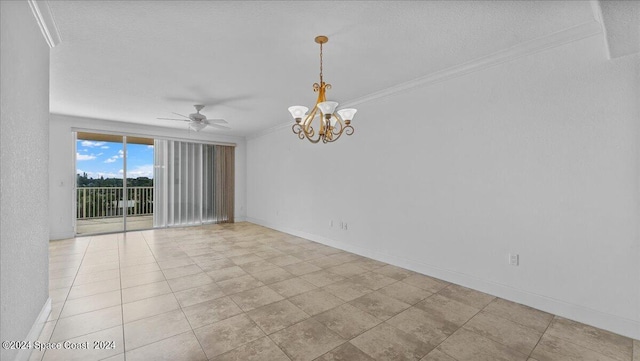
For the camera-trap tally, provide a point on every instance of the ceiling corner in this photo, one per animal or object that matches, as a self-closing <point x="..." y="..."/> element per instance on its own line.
<point x="47" y="23"/>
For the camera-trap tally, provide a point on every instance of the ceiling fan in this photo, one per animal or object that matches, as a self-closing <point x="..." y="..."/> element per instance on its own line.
<point x="199" y="121"/>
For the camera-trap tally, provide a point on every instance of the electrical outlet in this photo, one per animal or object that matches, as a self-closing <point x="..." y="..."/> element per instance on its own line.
<point x="514" y="259"/>
<point x="345" y="226"/>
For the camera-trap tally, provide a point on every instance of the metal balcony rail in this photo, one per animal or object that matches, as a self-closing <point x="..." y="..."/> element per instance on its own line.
<point x="104" y="202"/>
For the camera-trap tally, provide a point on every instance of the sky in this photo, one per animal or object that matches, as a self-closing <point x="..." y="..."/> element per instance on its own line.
<point x="98" y="158"/>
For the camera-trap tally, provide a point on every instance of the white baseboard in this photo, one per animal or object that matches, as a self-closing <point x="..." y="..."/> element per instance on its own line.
<point x="36" y="329"/>
<point x="613" y="323"/>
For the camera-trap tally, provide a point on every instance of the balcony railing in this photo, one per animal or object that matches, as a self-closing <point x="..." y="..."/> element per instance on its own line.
<point x="104" y="202"/>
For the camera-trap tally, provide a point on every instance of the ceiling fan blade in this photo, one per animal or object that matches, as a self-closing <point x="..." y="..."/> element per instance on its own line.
<point x="181" y="115"/>
<point x="217" y="126"/>
<point x="181" y="120"/>
<point x="220" y="121"/>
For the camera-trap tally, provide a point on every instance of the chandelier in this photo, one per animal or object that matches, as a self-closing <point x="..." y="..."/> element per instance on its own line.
<point x="323" y="122"/>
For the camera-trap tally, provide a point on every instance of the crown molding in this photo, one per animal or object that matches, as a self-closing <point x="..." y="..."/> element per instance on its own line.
<point x="44" y="17"/>
<point x="531" y="47"/>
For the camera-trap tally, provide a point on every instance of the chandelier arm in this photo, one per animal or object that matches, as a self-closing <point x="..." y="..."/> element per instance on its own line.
<point x="348" y="129"/>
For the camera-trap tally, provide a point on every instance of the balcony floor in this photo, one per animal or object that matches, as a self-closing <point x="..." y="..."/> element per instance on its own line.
<point x="109" y="225"/>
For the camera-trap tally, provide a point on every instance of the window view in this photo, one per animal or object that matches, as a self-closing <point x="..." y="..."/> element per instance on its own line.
<point x="101" y="164"/>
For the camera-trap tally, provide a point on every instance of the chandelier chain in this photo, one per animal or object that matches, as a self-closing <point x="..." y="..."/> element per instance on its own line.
<point x="320" y="63"/>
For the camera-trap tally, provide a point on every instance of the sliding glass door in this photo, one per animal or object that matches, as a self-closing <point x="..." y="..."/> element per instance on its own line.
<point x="114" y="183"/>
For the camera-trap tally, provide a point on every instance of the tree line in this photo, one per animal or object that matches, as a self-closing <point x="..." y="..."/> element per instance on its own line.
<point x="84" y="181"/>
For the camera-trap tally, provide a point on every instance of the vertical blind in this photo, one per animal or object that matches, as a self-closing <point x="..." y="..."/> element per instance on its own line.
<point x="194" y="183"/>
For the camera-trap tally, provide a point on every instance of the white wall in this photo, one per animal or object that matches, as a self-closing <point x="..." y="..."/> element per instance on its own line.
<point x="62" y="168"/>
<point x="537" y="156"/>
<point x="24" y="134"/>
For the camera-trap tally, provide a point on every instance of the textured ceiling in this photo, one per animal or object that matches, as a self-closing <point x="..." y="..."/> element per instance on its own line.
<point x="135" y="61"/>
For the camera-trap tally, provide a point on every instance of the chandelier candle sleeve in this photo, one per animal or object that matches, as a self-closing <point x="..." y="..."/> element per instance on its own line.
<point x="329" y="124"/>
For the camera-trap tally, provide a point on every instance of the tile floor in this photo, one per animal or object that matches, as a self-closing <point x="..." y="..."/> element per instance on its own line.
<point x="245" y="292"/>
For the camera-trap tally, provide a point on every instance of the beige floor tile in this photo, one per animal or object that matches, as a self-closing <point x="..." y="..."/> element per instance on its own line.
<point x="228" y="273"/>
<point x="292" y="287"/>
<point x="306" y="340"/>
<point x="405" y="292"/>
<point x="447" y="309"/>
<point x="373" y="280"/>
<point x="63" y="273"/>
<point x="276" y="316"/>
<point x="379" y="305"/>
<point x="322" y="278"/>
<point x="93" y="288"/>
<point x="155" y="328"/>
<point x="149" y="307"/>
<point x="74" y="326"/>
<point x="244" y="259"/>
<point x="551" y="348"/>
<point x="257" y="266"/>
<point x="284" y="260"/>
<point x="262" y="349"/>
<point x="347" y="270"/>
<point x="96" y="276"/>
<point x="301" y="268"/>
<point x="141" y="261"/>
<point x="138" y="269"/>
<point x="182" y="347"/>
<point x="467" y="296"/>
<point x="526" y="316"/>
<point x="604" y="342"/>
<point x="226" y="335"/>
<point x="64" y="282"/>
<point x="137" y="293"/>
<point x="427" y="283"/>
<point x="385" y="342"/>
<point x="192" y="296"/>
<point x="98" y="268"/>
<point x="254" y="298"/>
<point x="181" y="271"/>
<point x="327" y="262"/>
<point x="424" y="326"/>
<point x="506" y="332"/>
<point x="347" y="321"/>
<point x="347" y="290"/>
<point x="142" y="279"/>
<point x="91" y="303"/>
<point x="59" y="295"/>
<point x="217" y="264"/>
<point x="56" y="309"/>
<point x="172" y="259"/>
<point x="437" y="355"/>
<point x="240" y="284"/>
<point x="469" y="346"/>
<point x="82" y="348"/>
<point x="191" y="281"/>
<point x="394" y="272"/>
<point x="345" y="352"/>
<point x="272" y="275"/>
<point x="316" y="301"/>
<point x="209" y="312"/>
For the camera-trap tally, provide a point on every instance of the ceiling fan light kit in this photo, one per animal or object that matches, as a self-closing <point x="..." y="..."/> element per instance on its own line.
<point x="330" y="124"/>
<point x="198" y="121"/>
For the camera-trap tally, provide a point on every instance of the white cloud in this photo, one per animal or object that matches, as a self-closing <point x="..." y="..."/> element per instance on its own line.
<point x="85" y="156"/>
<point x="120" y="153"/>
<point x="104" y="147"/>
<point x="88" y="143"/>
<point x="110" y="160"/>
<point x="150" y="146"/>
<point x="141" y="171"/>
